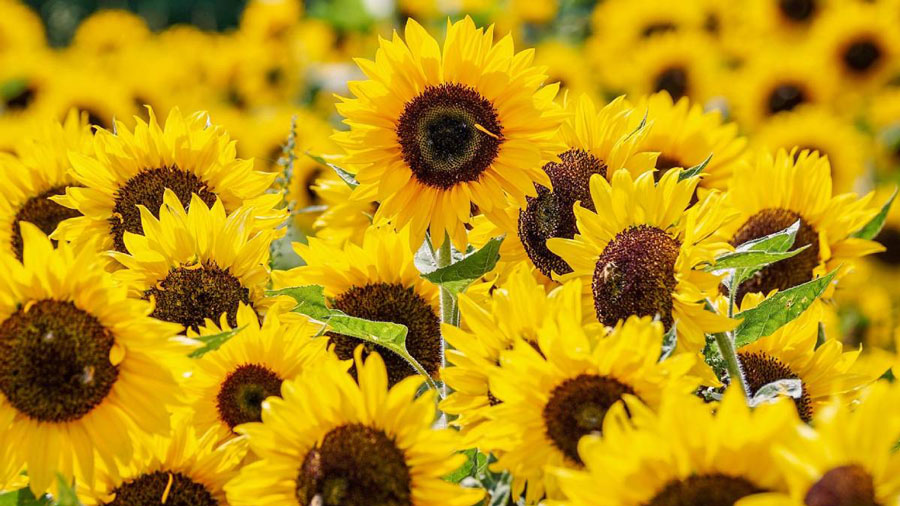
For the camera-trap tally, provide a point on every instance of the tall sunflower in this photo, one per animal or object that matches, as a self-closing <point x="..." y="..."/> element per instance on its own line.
<point x="84" y="371"/>
<point x="772" y="192"/>
<point x="133" y="168"/>
<point x="637" y="252"/>
<point x="515" y="310"/>
<point x="38" y="172"/>
<point x="228" y="385"/>
<point x="376" y="280"/>
<point x="684" y="455"/>
<point x="553" y="393"/>
<point x="330" y="441"/>
<point x="185" y="468"/>
<point x="432" y="133"/>
<point x="197" y="265"/>
<point x="344" y="219"/>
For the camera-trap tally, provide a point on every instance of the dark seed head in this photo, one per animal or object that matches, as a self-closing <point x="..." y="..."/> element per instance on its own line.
<point x="189" y="296"/>
<point x="54" y="361"/>
<point x="94" y="117"/>
<point x="242" y="393"/>
<point x="861" y="56"/>
<point x="355" y="465"/>
<point x="797" y="10"/>
<point x="439" y="139"/>
<point x="21" y="100"/>
<point x="760" y="369"/>
<point x="149" y="489"/>
<point x="657" y="29"/>
<point x="843" y="486"/>
<point x="786" y="273"/>
<point x="889" y="237"/>
<point x="577" y="408"/>
<point x="706" y="490"/>
<point x="395" y="303"/>
<point x="674" y="80"/>
<point x="147" y="189"/>
<point x="550" y="213"/>
<point x="44" y="213"/>
<point x="635" y="275"/>
<point x="786" y="97"/>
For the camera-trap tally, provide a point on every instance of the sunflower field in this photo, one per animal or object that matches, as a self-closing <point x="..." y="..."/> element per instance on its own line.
<point x="450" y="253"/>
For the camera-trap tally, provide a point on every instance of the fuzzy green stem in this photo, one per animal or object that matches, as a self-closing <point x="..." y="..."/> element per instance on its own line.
<point x="449" y="309"/>
<point x="735" y="372"/>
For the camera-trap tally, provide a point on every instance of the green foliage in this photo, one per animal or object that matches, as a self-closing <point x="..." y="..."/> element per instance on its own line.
<point x="475" y="465"/>
<point x="213" y="342"/>
<point x="670" y="341"/>
<point x="345" y="176"/>
<point x="750" y="257"/>
<point x="695" y="170"/>
<point x="771" y="392"/>
<point x="67" y="496"/>
<point x="870" y="230"/>
<point x="779" y="309"/>
<point x="458" y="275"/>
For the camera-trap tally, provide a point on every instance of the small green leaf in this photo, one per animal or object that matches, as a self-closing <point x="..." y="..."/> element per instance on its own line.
<point x="67" y="496"/>
<point x="23" y="497"/>
<point x="12" y="88"/>
<point x="310" y="301"/>
<point x="475" y="461"/>
<point x="641" y="125"/>
<point x="751" y="259"/>
<point x="458" y="275"/>
<point x="213" y="342"/>
<point x="695" y="170"/>
<point x="779" y="309"/>
<point x="670" y="340"/>
<point x="770" y="392"/>
<point x="870" y="230"/>
<point x="772" y="245"/>
<point x="820" y="337"/>
<point x="345" y="176"/>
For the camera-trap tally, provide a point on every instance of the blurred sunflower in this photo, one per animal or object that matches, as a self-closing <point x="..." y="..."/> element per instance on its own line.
<point x="40" y="171"/>
<point x="330" y="442"/>
<point x="84" y="371"/>
<point x="131" y="169"/>
<point x="25" y="79"/>
<point x="100" y="97"/>
<point x="624" y="24"/>
<point x="684" y="136"/>
<point x="270" y="20"/>
<point x="552" y="394"/>
<point x="229" y="384"/>
<point x="379" y="281"/>
<point x="638" y="250"/>
<point x="432" y="133"/>
<point x="884" y="115"/>
<point x="343" y="219"/>
<point x="185" y="468"/>
<point x="106" y="32"/>
<point x="197" y="265"/>
<point x="771" y="193"/>
<point x="645" y="459"/>
<point x="566" y="65"/>
<point x="21" y="29"/>
<point x="818" y="129"/>
<point x="514" y="311"/>
<point x="787" y="20"/>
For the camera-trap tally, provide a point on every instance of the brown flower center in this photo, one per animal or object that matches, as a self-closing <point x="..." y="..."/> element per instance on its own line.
<point x="862" y="55"/>
<point x="706" y="489"/>
<point x="42" y="212"/>
<point x="242" y="393"/>
<point x="786" y="97"/>
<point x="191" y="295"/>
<point x="843" y="486"/>
<point x="149" y="489"/>
<point x="797" y="10"/>
<point x="760" y="369"/>
<point x="674" y="80"/>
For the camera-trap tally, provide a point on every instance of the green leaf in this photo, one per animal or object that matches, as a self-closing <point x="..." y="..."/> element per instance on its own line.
<point x="213" y="342"/>
<point x="67" y="496"/>
<point x="772" y="245"/>
<point x="345" y="176"/>
<point x="779" y="309"/>
<point x="475" y="462"/>
<point x="695" y="170"/>
<point x="870" y="230"/>
<point x="23" y="497"/>
<point x="458" y="275"/>
<point x="820" y="337"/>
<point x="641" y="125"/>
<point x="751" y="259"/>
<point x="771" y="392"/>
<point x="670" y="340"/>
<point x="12" y="88"/>
<point x="310" y="301"/>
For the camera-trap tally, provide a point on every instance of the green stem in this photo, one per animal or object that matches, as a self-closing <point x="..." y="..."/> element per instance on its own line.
<point x="449" y="309"/>
<point x="735" y="372"/>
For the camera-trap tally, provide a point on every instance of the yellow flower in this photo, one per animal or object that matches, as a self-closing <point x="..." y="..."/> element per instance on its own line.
<point x="21" y="27"/>
<point x="84" y="371"/>
<point x="552" y="394"/>
<point x="637" y="253"/>
<point x="432" y="133"/>
<point x="130" y="169"/>
<point x="40" y="171"/>
<point x="684" y="455"/>
<point x="343" y="219"/>
<point x="331" y="441"/>
<point x="108" y="31"/>
<point x="376" y="280"/>
<point x="770" y="193"/>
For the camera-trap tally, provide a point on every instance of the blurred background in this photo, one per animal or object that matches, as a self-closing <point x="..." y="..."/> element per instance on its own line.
<point x="819" y="74"/>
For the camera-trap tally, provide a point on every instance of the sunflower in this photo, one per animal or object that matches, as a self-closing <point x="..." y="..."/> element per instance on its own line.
<point x="270" y="19"/>
<point x="637" y="253"/>
<point x="40" y="171"/>
<point x="772" y="192"/>
<point x="776" y="80"/>
<point x="596" y="142"/>
<point x="685" y="454"/>
<point x="343" y="219"/>
<point x="185" y="468"/>
<point x="102" y="97"/>
<point x="331" y="441"/>
<point x="861" y="41"/>
<point x="848" y="457"/>
<point x="26" y="79"/>
<point x="84" y="371"/>
<point x="376" y="280"/>
<point x="553" y="393"/>
<point x="432" y="133"/>
<point x="230" y="384"/>
<point x="818" y="129"/>
<point x="108" y="31"/>
<point x="684" y="136"/>
<point x="787" y="21"/>
<point x="516" y="310"/>
<point x="21" y="29"/>
<point x="621" y="25"/>
<point x="566" y="65"/>
<point x="198" y="265"/>
<point x="884" y="114"/>
<point x="129" y="169"/>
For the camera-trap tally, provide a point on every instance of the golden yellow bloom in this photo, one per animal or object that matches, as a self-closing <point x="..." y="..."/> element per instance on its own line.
<point x="432" y="133"/>
<point x="108" y="31"/>
<point x="344" y="219"/>
<point x="331" y="441"/>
